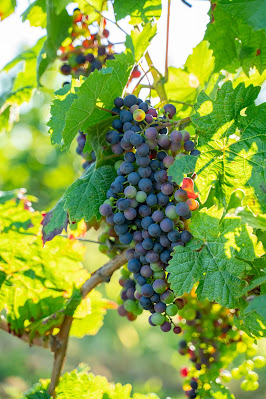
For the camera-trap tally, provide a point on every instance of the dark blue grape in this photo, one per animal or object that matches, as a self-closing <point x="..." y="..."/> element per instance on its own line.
<point x="143" y="149"/>
<point x="166" y="326"/>
<point x="117" y="149"/>
<point x="126" y="116"/>
<point x="136" y="129"/>
<point x="155" y="298"/>
<point x="147" y="290"/>
<point x="122" y="204"/>
<point x="160" y="307"/>
<point x="160" y="176"/>
<point x="173" y="236"/>
<point x="189" y="145"/>
<point x="144" y="210"/>
<point x="167" y="225"/>
<point x="186" y="236"/>
<point x="134" y="265"/>
<point x="133" y="178"/>
<point x="136" y="139"/>
<point x="164" y="241"/>
<point x="126" y="146"/>
<point x="127" y="126"/>
<point x="145" y="303"/>
<point x="158" y="248"/>
<point x="144" y="106"/>
<point x="146" y="222"/>
<point x="130" y="100"/>
<point x="154" y="230"/>
<point x="151" y="200"/>
<point x="110" y="219"/>
<point x="144" y="172"/>
<point x="140" y="249"/>
<point x="141" y="280"/>
<point x="121" y="229"/>
<point x="152" y="257"/>
<point x="154" y="164"/>
<point x="146" y="271"/>
<point x="119" y="102"/>
<point x="129" y="157"/>
<point x="161" y="155"/>
<point x="158" y="216"/>
<point x="119" y="218"/>
<point x="137" y="236"/>
<point x="143" y="161"/>
<point x="130" y="213"/>
<point x="112" y="137"/>
<point x="130" y="254"/>
<point x="145" y="185"/>
<point x="126" y="168"/>
<point x="165" y="256"/>
<point x="127" y="136"/>
<point x="195" y="153"/>
<point x="162" y="199"/>
<point x="117" y="124"/>
<point x="148" y="243"/>
<point x="106" y="210"/>
<point x="182" y="209"/>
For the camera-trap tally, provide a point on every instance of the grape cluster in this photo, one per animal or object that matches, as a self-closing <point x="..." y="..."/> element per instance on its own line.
<point x="89" y="158"/>
<point x="87" y="48"/>
<point x="211" y="342"/>
<point x="146" y="208"/>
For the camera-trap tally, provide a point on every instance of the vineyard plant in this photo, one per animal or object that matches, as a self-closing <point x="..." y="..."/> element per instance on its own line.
<point x="171" y="181"/>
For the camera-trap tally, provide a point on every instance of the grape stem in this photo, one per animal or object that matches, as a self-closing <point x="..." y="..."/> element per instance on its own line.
<point x="175" y="123"/>
<point x="167" y="40"/>
<point x="107" y="110"/>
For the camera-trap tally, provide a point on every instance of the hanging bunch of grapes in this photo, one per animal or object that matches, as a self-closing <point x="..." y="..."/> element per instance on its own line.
<point x="87" y="48"/>
<point x="145" y="208"/>
<point x="212" y="342"/>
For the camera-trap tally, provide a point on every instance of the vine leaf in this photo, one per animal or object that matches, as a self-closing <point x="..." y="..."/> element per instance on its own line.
<point x="54" y="221"/>
<point x="216" y="258"/>
<point x="140" y="11"/>
<point x="257" y="304"/>
<point x="84" y="197"/>
<point x="229" y="143"/>
<point x="6" y="8"/>
<point x="57" y="30"/>
<point x="36" y="13"/>
<point x="138" y="41"/>
<point x="243" y="44"/>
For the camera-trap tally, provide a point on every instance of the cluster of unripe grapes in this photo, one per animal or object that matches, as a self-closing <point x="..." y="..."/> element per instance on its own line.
<point x="211" y="342"/>
<point x="146" y="208"/>
<point x="87" y="48"/>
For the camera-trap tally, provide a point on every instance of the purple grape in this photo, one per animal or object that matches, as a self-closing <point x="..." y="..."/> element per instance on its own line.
<point x="160" y="176"/>
<point x="180" y="195"/>
<point x="144" y="210"/>
<point x="134" y="265"/>
<point x="127" y="136"/>
<point x="144" y="172"/>
<point x="167" y="188"/>
<point x="136" y="139"/>
<point x="126" y="146"/>
<point x="152" y="257"/>
<point x="157" y="216"/>
<point x="129" y="157"/>
<point x="164" y="241"/>
<point x="145" y="185"/>
<point x="159" y="286"/>
<point x="146" y="271"/>
<point x="154" y="230"/>
<point x="133" y="178"/>
<point x="130" y="253"/>
<point x="105" y="210"/>
<point x="143" y="161"/>
<point x="147" y="290"/>
<point x="148" y="118"/>
<point x="137" y="236"/>
<point x="151" y="200"/>
<point x="143" y="149"/>
<point x="165" y="256"/>
<point x="130" y="213"/>
<point x="168" y="161"/>
<point x="141" y="280"/>
<point x="151" y="133"/>
<point x="119" y="218"/>
<point x="162" y="199"/>
<point x="176" y="136"/>
<point x="130" y="192"/>
<point x="174" y="147"/>
<point x="186" y="236"/>
<point x="152" y="144"/>
<point x="170" y="110"/>
<point x="195" y="153"/>
<point x="139" y="249"/>
<point x="164" y="141"/>
<point x="147" y="243"/>
<point x="166" y="326"/>
<point x="146" y="222"/>
<point x="126" y="238"/>
<point x="160" y="307"/>
<point x="167" y="225"/>
<point x="189" y="145"/>
<point x="185" y="134"/>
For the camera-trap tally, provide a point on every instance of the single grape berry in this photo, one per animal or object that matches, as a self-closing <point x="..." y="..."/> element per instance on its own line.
<point x="65" y="69"/>
<point x="170" y="110"/>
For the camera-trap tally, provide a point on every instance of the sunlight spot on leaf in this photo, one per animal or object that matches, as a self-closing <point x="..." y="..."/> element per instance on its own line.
<point x="193" y="81"/>
<point x="205" y="108"/>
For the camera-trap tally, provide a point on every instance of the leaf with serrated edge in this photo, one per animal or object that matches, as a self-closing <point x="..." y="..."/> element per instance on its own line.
<point x="84" y="197"/>
<point x="140" y="11"/>
<point x="138" y="41"/>
<point x="54" y="222"/>
<point x="215" y="257"/>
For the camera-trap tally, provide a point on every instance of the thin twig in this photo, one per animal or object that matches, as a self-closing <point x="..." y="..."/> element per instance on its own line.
<point x="37" y="340"/>
<point x="80" y="239"/>
<point x="142" y="77"/>
<point x="107" y="110"/>
<point x="107" y="19"/>
<point x="181" y="102"/>
<point x="167" y="39"/>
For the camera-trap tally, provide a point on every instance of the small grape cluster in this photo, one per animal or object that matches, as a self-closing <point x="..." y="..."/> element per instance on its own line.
<point x="211" y="342"/>
<point x="146" y="208"/>
<point x="89" y="158"/>
<point x="87" y="48"/>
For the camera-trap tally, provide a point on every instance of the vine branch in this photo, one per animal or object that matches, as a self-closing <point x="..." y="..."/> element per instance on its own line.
<point x="103" y="274"/>
<point x="167" y="39"/>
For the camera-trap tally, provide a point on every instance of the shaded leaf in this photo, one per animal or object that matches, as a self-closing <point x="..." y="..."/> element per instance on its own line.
<point x="54" y="221"/>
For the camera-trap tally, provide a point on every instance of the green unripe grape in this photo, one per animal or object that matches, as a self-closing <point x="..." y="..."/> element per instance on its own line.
<point x="125" y="272"/>
<point x="167" y="297"/>
<point x="141" y="196"/>
<point x="138" y="288"/>
<point x="171" y="310"/>
<point x="248" y="365"/>
<point x="259" y="362"/>
<point x="108" y="201"/>
<point x="138" y="310"/>
<point x="156" y="267"/>
<point x="226" y="376"/>
<point x="103" y="248"/>
<point x="158" y="319"/>
<point x="245" y="385"/>
<point x="249" y="385"/>
<point x="130" y="305"/>
<point x="236" y="374"/>
<point x="139" y="115"/>
<point x="117" y="164"/>
<point x="252" y="350"/>
<point x="188" y="313"/>
<point x="252" y="376"/>
<point x="159" y="275"/>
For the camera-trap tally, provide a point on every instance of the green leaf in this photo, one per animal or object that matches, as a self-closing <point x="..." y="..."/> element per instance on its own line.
<point x="229" y="144"/>
<point x="82" y="111"/>
<point x="54" y="221"/>
<point x="84" y="197"/>
<point x="140" y="11"/>
<point x="252" y="323"/>
<point x="60" y="5"/>
<point x="257" y="304"/>
<point x="138" y="41"/>
<point x="216" y="258"/>
<point x="57" y="31"/>
<point x="200" y="63"/>
<point x="36" y="13"/>
<point x="217" y="391"/>
<point x="88" y="317"/>
<point x="6" y="8"/>
<point x="238" y="45"/>
<point x="257" y="222"/>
